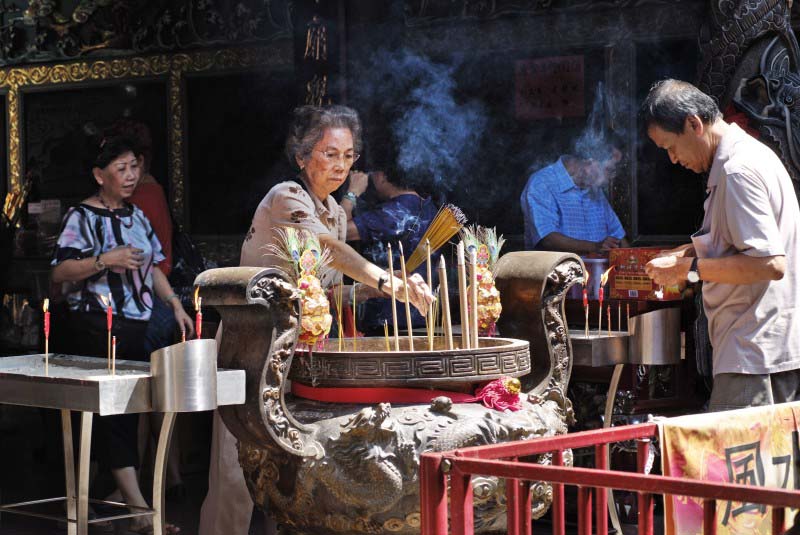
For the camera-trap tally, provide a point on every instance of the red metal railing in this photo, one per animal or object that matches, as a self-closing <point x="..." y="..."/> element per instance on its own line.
<point x="500" y="460"/>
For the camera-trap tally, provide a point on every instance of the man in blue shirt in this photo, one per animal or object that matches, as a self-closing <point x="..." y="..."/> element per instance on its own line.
<point x="564" y="208"/>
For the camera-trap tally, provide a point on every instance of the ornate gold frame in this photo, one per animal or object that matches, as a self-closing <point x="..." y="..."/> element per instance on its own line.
<point x="171" y="67"/>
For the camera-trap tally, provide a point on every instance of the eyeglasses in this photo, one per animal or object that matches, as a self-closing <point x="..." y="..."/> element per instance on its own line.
<point x="331" y="156"/>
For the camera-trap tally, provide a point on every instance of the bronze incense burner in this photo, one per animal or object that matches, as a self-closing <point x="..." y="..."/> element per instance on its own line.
<point x="327" y="468"/>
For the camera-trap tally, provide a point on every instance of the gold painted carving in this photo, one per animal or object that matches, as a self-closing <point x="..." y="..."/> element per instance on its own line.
<point x="170" y="66"/>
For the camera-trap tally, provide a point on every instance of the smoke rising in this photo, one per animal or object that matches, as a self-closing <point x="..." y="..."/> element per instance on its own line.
<point x="435" y="136"/>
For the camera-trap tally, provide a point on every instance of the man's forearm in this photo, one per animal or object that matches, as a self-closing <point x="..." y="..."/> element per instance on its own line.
<point x="555" y="241"/>
<point x="742" y="269"/>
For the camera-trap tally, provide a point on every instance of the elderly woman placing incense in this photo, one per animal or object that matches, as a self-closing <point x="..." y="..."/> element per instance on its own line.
<point x="323" y="143"/>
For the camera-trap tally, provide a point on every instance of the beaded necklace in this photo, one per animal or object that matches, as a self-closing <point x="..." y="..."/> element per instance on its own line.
<point x="114" y="213"/>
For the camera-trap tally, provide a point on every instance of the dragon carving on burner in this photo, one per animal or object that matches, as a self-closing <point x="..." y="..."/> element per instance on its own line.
<point x="750" y="58"/>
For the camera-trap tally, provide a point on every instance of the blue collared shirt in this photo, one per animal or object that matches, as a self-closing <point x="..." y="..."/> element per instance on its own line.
<point x="551" y="202"/>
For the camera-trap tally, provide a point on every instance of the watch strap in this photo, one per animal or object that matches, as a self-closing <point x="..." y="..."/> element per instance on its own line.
<point x="350" y="196"/>
<point x="694" y="267"/>
<point x="382" y="280"/>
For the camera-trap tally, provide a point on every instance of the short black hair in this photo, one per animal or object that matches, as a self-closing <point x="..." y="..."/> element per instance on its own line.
<point x="111" y="148"/>
<point x="671" y="101"/>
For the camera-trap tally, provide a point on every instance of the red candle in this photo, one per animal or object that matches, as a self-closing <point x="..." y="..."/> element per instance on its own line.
<point x="198" y="323"/>
<point x="46" y="307"/>
<point x="198" y="308"/>
<point x="109" y="314"/>
<point x="585" y="298"/>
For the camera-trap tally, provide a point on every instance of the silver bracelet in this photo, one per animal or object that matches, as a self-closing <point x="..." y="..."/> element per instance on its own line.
<point x="173" y="296"/>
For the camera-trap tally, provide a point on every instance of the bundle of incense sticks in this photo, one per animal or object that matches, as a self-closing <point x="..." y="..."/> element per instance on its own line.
<point x="445" y="225"/>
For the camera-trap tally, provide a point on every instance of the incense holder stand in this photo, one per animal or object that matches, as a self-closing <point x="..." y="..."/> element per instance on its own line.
<point x="330" y="468"/>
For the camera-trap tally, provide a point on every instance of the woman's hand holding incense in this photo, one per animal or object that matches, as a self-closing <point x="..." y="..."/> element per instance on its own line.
<point x="419" y="294"/>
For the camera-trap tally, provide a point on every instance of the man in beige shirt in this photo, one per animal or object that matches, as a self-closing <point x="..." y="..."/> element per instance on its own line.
<point x="748" y="240"/>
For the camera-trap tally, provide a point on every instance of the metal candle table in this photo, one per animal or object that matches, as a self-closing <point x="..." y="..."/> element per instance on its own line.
<point x="180" y="378"/>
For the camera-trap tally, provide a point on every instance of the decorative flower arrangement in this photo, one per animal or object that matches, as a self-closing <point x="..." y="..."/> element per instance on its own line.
<point x="307" y="258"/>
<point x="485" y="242"/>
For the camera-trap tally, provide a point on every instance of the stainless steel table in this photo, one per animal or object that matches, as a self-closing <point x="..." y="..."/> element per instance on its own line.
<point x="85" y="385"/>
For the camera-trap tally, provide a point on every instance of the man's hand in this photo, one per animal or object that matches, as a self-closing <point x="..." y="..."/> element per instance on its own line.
<point x="358" y="183"/>
<point x="609" y="242"/>
<point x="668" y="270"/>
<point x="683" y="251"/>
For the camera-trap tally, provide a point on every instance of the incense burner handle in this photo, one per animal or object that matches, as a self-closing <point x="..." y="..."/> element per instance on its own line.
<point x="532" y="286"/>
<point x="260" y="313"/>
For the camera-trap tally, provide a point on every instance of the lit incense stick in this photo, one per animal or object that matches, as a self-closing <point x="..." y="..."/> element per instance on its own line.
<point x="113" y="355"/>
<point x="405" y="294"/>
<point x="394" y="299"/>
<point x="608" y="317"/>
<point x="473" y="283"/>
<point x="447" y="326"/>
<point x="429" y="318"/>
<point x="466" y="340"/>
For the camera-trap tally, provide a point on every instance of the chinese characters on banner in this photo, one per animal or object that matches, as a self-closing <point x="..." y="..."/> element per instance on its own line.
<point x="758" y="446"/>
<point x="549" y="87"/>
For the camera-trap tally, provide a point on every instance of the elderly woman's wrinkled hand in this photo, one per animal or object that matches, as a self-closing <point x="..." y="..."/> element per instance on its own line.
<point x="418" y="293"/>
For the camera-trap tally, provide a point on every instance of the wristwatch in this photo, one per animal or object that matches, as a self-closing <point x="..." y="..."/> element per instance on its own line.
<point x="350" y="196"/>
<point x="99" y="265"/>
<point x="382" y="280"/>
<point x="694" y="272"/>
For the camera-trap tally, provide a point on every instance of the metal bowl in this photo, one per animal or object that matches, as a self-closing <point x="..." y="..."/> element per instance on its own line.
<point x="365" y="362"/>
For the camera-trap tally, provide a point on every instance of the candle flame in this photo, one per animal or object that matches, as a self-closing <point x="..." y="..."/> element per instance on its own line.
<point x="586" y="278"/>
<point x="604" y="276"/>
<point x="105" y="300"/>
<point x="45" y="304"/>
<point x="197" y="299"/>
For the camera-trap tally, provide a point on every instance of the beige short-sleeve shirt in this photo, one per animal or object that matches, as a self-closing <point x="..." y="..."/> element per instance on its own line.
<point x="751" y="208"/>
<point x="288" y="204"/>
